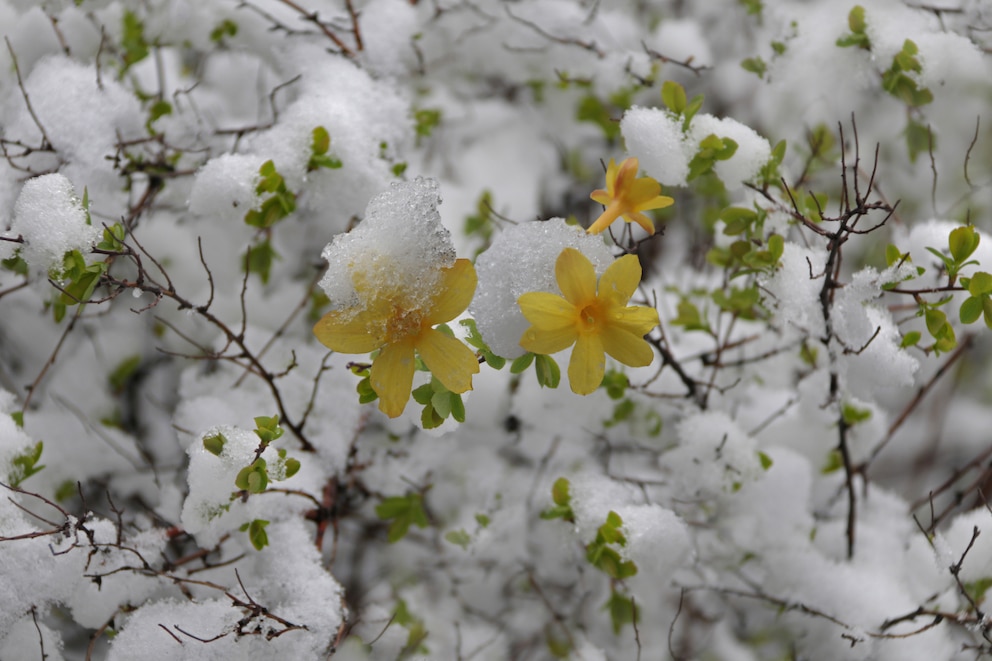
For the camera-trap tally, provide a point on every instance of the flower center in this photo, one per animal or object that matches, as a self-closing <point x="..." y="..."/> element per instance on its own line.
<point x="402" y="323"/>
<point x="589" y="318"/>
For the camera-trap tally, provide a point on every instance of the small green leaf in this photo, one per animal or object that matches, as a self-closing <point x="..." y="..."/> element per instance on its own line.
<point x="766" y="461"/>
<point x="458" y="538"/>
<point x="856" y="20"/>
<point x="560" y="492"/>
<point x="852" y="415"/>
<point x="547" y="370"/>
<point x="971" y="309"/>
<point x="256" y="533"/>
<point x="910" y="339"/>
<point x="423" y="394"/>
<point x="622" y="611"/>
<point x="25" y="465"/>
<point x="834" y="462"/>
<point x="755" y="65"/>
<point x="253" y="478"/>
<point x="673" y="96"/>
<point x="122" y="375"/>
<point x="402" y="511"/>
<point x="980" y="283"/>
<point x="214" y="444"/>
<point x="226" y="28"/>
<point x="520" y="364"/>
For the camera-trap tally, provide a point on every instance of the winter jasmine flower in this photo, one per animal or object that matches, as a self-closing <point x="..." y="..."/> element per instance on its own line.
<point x="626" y="196"/>
<point x="597" y="322"/>
<point x="400" y="329"/>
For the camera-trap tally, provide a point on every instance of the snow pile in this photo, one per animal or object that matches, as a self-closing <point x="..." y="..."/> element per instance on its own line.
<point x="51" y="220"/>
<point x="399" y="247"/>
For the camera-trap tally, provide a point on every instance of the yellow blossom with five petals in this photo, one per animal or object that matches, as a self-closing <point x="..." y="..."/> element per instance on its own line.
<point x="627" y="196"/>
<point x="400" y="328"/>
<point x="596" y="321"/>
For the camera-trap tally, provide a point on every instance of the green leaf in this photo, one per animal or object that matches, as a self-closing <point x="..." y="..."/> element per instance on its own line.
<point x="214" y="444"/>
<point x="852" y="415"/>
<point x="910" y="339"/>
<point x="963" y="241"/>
<point x="919" y="139"/>
<point x="980" y="283"/>
<point x="423" y="394"/>
<point x="441" y="401"/>
<point x="367" y="394"/>
<point x="226" y="28"/>
<point x="755" y="65"/>
<point x="25" y="465"/>
<point x="121" y="376"/>
<point x="615" y="383"/>
<point x="834" y="462"/>
<point x="256" y="533"/>
<point x="856" y="20"/>
<point x="673" y="96"/>
<point x="321" y="141"/>
<point x="547" y="370"/>
<point x="160" y="108"/>
<point x="776" y="246"/>
<point x="520" y="364"/>
<point x="267" y="428"/>
<point x="253" y="478"/>
<point x="457" y="407"/>
<point x="622" y="611"/>
<point x="971" y="309"/>
<point x="987" y="308"/>
<point x="402" y="511"/>
<point x="292" y="468"/>
<point x="458" y="538"/>
<point x="560" y="492"/>
<point x="936" y="321"/>
<point x="426" y="120"/>
<point x="766" y="461"/>
<point x="690" y="111"/>
<point x="133" y="39"/>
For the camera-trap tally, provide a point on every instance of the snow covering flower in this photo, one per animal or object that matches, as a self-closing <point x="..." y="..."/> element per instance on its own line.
<point x="626" y="196"/>
<point x="399" y="327"/>
<point x="594" y="321"/>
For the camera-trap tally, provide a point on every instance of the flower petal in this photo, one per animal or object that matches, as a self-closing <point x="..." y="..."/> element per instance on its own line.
<point x="659" y="202"/>
<point x="626" y="176"/>
<point x="449" y="360"/>
<point x="643" y="190"/>
<point x="626" y="347"/>
<point x="576" y="277"/>
<point x="610" y="213"/>
<point x="636" y="319"/>
<point x="347" y="332"/>
<point x="587" y="365"/>
<point x="601" y="196"/>
<point x="611" y="178"/>
<point x="391" y="376"/>
<point x="547" y="311"/>
<point x="640" y="219"/>
<point x="454" y="292"/>
<point x="619" y="282"/>
<point x="550" y="341"/>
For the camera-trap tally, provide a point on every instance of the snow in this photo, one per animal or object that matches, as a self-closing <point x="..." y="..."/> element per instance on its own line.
<point x="655" y="137"/>
<point x="50" y="218"/>
<point x="720" y="458"/>
<point x="400" y="245"/>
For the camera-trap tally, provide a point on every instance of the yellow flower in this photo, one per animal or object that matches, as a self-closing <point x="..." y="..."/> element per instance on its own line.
<point x="391" y="322"/>
<point x="594" y="321"/>
<point x="626" y="197"/>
